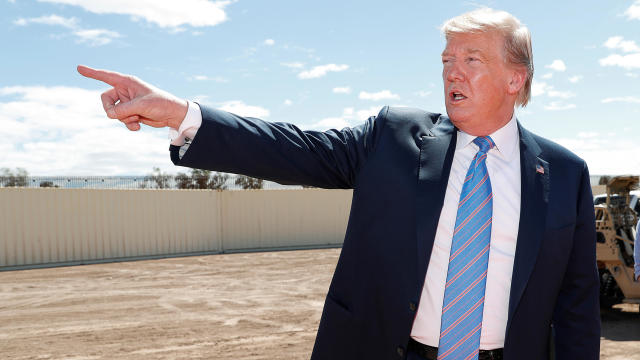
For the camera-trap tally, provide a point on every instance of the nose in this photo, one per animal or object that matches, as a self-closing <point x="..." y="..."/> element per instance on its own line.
<point x="452" y="71"/>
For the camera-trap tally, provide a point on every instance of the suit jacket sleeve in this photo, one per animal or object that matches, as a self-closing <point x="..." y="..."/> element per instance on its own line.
<point x="577" y="313"/>
<point x="636" y="252"/>
<point x="280" y="152"/>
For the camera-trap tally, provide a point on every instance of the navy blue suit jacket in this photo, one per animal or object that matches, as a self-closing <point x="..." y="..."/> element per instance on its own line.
<point x="398" y="164"/>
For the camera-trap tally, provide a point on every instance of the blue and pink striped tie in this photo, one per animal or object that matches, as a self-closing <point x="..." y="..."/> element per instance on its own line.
<point x="466" y="278"/>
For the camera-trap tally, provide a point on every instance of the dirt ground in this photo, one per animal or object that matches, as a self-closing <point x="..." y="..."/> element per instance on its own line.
<point x="236" y="306"/>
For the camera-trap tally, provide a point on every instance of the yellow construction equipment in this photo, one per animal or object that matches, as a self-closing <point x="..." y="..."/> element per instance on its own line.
<point x="616" y="232"/>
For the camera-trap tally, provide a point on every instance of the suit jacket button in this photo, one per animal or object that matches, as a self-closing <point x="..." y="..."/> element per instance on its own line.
<point x="400" y="351"/>
<point x="412" y="306"/>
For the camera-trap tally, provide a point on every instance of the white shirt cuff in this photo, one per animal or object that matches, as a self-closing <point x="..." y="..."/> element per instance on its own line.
<point x="189" y="126"/>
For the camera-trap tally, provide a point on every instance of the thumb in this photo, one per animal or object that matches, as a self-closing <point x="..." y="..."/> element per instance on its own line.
<point x="125" y="109"/>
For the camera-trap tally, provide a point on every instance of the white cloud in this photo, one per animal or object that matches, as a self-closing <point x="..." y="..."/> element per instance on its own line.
<point x="557" y="65"/>
<point x="559" y="105"/>
<point x="366" y="113"/>
<point x="63" y="131"/>
<point x="605" y="153"/>
<point x="217" y="79"/>
<point x="161" y="13"/>
<point x="349" y="117"/>
<point x="627" y="99"/>
<point x="633" y="12"/>
<point x="631" y="61"/>
<point x="618" y="42"/>
<point x="547" y="76"/>
<point x="96" y="37"/>
<point x="330" y="123"/>
<point x="337" y="122"/>
<point x="269" y="42"/>
<point x="237" y="107"/>
<point x="539" y="88"/>
<point x="322" y="70"/>
<point x="423" y="93"/>
<point x="93" y="37"/>
<point x="575" y="79"/>
<point x="560" y="94"/>
<point x="542" y="88"/>
<point x="380" y="95"/>
<point x="588" y="134"/>
<point x="288" y="102"/>
<point x="631" y="75"/>
<point x="52" y="19"/>
<point x="342" y="90"/>
<point x="240" y="108"/>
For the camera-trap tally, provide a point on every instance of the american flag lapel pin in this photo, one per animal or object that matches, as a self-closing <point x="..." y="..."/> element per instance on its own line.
<point x="539" y="169"/>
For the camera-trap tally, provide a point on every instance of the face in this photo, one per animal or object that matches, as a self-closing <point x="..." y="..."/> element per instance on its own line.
<point x="480" y="88"/>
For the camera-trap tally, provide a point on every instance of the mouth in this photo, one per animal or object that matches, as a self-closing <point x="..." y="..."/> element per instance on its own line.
<point x="456" y="96"/>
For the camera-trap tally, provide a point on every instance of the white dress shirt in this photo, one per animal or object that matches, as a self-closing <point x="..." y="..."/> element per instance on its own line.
<point x="189" y="126"/>
<point x="503" y="165"/>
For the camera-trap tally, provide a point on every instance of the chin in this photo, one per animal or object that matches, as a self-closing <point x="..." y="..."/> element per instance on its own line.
<point x="458" y="118"/>
<point x="466" y="124"/>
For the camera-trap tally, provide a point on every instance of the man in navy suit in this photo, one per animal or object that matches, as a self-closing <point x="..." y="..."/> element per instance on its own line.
<point x="412" y="171"/>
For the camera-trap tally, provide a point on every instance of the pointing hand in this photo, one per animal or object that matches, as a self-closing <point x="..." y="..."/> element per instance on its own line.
<point x="133" y="101"/>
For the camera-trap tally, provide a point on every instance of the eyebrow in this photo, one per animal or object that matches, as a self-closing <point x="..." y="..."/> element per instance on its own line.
<point x="467" y="51"/>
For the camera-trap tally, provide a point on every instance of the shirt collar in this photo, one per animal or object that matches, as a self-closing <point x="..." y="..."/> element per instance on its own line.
<point x="506" y="139"/>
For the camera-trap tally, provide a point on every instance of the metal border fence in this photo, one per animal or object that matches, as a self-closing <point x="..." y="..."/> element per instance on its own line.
<point x="216" y="181"/>
<point x="213" y="181"/>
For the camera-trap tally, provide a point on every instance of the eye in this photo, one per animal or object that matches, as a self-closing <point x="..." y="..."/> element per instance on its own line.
<point x="473" y="59"/>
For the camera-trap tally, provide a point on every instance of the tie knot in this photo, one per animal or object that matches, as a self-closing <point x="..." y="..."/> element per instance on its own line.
<point x="484" y="143"/>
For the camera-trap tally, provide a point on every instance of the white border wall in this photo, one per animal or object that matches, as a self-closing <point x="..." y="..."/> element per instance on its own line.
<point x="61" y="226"/>
<point x="44" y="226"/>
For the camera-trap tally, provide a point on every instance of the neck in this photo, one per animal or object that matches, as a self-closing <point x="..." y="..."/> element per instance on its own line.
<point x="486" y="128"/>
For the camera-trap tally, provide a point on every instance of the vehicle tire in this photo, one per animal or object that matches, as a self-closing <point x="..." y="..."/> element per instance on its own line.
<point x="610" y="293"/>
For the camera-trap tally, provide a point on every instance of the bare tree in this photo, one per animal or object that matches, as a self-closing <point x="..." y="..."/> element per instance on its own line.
<point x="157" y="180"/>
<point x="218" y="181"/>
<point x="247" y="182"/>
<point x="183" y="181"/>
<point x="202" y="179"/>
<point x="11" y="179"/>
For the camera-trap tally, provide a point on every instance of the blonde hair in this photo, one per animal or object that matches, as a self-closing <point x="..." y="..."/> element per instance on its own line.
<point x="517" y="39"/>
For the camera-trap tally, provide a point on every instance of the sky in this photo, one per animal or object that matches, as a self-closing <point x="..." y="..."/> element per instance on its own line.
<point x="317" y="64"/>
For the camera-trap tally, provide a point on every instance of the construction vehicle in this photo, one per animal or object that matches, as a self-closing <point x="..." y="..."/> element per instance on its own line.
<point x="616" y="232"/>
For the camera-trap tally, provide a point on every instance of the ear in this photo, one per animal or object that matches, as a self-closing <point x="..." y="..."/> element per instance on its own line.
<point x="517" y="79"/>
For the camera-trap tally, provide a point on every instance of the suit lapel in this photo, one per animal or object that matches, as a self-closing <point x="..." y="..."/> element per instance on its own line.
<point x="436" y="155"/>
<point x="534" y="174"/>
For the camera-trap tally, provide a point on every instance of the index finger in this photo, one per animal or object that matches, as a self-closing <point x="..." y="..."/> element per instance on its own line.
<point x="110" y="77"/>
